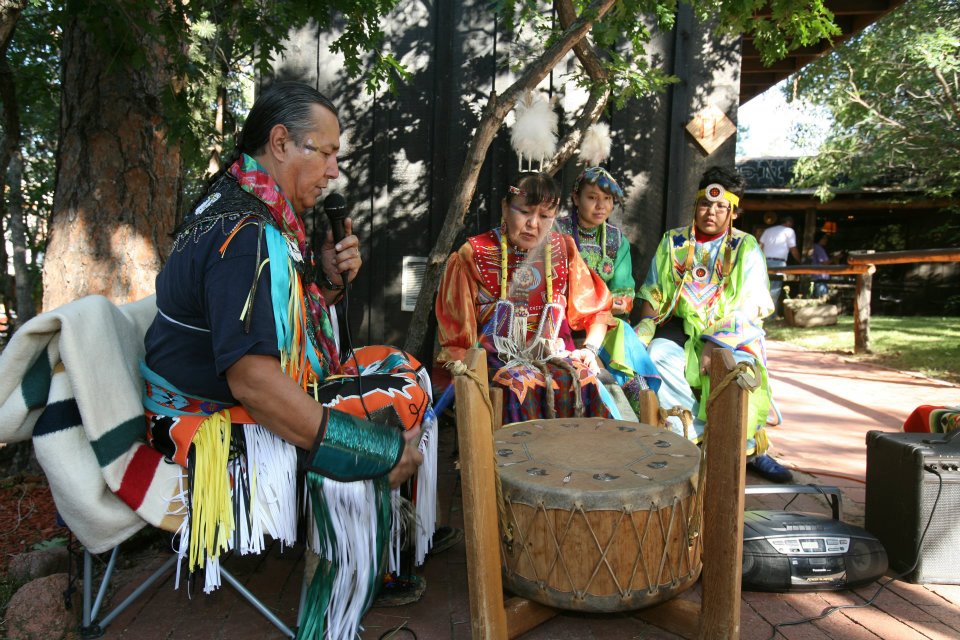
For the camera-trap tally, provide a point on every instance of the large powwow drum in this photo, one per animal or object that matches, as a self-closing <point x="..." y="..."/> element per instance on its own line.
<point x="603" y="513"/>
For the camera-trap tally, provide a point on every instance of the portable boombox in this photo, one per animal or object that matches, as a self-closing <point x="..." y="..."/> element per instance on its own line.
<point x="794" y="551"/>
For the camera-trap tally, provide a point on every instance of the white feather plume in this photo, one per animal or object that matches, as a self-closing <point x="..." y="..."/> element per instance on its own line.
<point x="596" y="144"/>
<point x="534" y="135"/>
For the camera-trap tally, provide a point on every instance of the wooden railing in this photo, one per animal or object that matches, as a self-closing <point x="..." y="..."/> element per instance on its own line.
<point x="863" y="265"/>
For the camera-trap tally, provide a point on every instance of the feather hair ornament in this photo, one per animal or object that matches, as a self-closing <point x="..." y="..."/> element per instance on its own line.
<point x="596" y="144"/>
<point x="534" y="135"/>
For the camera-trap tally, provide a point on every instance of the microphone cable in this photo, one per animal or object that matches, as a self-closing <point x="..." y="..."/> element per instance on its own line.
<point x="351" y="352"/>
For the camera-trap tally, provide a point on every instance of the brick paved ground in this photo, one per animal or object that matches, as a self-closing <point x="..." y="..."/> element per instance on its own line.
<point x="828" y="405"/>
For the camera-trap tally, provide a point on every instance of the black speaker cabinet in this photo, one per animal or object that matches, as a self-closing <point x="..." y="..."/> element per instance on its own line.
<point x="902" y="487"/>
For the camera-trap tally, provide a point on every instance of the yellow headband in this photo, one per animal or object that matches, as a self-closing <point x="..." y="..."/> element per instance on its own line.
<point x="715" y="192"/>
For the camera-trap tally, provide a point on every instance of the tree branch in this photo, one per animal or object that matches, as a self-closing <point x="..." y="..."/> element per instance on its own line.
<point x="9" y="14"/>
<point x="946" y="90"/>
<point x="592" y="110"/>
<point x="571" y="142"/>
<point x="493" y="115"/>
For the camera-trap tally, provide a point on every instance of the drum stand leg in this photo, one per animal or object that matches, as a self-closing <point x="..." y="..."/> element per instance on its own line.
<point x="490" y="617"/>
<point x="718" y="616"/>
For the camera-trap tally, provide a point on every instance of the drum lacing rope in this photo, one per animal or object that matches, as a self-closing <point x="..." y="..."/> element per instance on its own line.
<point x="686" y="418"/>
<point x="745" y="374"/>
<point x="458" y="368"/>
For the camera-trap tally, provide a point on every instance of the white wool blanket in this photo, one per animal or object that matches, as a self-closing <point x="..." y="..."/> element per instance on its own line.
<point x="69" y="379"/>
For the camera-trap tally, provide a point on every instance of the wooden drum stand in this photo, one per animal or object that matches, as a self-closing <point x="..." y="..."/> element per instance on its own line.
<point x="717" y="617"/>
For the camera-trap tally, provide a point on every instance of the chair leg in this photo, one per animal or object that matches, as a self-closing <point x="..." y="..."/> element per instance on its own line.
<point x="259" y="606"/>
<point x="91" y="626"/>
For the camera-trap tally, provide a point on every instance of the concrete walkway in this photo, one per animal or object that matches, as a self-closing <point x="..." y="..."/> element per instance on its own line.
<point x="828" y="405"/>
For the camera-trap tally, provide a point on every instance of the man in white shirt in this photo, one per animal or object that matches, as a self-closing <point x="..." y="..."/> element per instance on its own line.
<point x="777" y="242"/>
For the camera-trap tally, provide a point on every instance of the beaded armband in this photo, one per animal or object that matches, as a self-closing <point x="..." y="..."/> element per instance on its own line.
<point x="348" y="448"/>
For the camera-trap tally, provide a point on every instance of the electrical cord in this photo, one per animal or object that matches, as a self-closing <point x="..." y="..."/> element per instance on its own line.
<point x="916" y="561"/>
<point x="351" y="352"/>
<point x="392" y="632"/>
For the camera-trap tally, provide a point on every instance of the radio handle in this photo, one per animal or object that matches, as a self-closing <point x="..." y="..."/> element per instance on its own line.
<point x="832" y="492"/>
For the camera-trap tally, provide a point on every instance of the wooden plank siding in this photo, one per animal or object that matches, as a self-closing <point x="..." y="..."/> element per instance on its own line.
<point x="405" y="151"/>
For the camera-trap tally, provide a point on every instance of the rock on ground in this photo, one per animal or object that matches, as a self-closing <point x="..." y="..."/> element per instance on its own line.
<point x="37" y="611"/>
<point x="25" y="567"/>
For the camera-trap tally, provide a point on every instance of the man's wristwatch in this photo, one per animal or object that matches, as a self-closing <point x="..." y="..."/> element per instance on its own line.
<point x="328" y="284"/>
<point x="592" y="348"/>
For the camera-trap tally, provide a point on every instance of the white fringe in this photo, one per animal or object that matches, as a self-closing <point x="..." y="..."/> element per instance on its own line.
<point x="426" y="504"/>
<point x="211" y="575"/>
<point x="179" y="505"/>
<point x="273" y="490"/>
<point x="353" y="514"/>
<point x="269" y="475"/>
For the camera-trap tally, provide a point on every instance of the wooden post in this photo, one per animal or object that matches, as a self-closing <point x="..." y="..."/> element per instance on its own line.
<point x="524" y="615"/>
<point x="474" y="422"/>
<point x="861" y="313"/>
<point x="722" y="530"/>
<point x="649" y="408"/>
<point x="496" y="401"/>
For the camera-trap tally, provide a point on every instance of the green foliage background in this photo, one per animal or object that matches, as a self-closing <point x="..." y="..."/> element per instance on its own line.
<point x="893" y="92"/>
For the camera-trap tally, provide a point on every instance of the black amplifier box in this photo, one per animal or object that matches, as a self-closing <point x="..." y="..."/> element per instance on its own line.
<point x="908" y="474"/>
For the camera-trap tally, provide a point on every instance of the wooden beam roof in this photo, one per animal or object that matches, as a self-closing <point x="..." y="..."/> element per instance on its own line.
<point x="852" y="16"/>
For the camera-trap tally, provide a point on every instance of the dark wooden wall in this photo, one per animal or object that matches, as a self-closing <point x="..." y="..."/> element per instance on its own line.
<point x="405" y="150"/>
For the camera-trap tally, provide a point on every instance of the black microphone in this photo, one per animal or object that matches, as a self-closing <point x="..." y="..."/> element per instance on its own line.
<point x="335" y="206"/>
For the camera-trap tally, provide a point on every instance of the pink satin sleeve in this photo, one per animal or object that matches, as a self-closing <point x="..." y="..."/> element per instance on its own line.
<point x="588" y="299"/>
<point x="456" y="306"/>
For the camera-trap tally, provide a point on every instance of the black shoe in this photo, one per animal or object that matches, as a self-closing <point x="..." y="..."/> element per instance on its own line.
<point x="770" y="469"/>
<point x="398" y="591"/>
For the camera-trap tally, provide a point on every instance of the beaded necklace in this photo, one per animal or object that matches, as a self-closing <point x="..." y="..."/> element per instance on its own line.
<point x="510" y="319"/>
<point x="603" y="264"/>
<point x="504" y="271"/>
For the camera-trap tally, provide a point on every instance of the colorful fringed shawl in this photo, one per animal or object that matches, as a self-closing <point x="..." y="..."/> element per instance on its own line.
<point x="726" y="308"/>
<point x="466" y="314"/>
<point x="300" y="310"/>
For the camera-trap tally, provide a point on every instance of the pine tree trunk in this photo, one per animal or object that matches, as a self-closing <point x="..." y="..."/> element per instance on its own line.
<point x="23" y="276"/>
<point x="10" y="11"/>
<point x="118" y="177"/>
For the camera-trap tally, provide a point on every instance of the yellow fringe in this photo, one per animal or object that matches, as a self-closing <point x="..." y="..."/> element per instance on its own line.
<point x="212" y="508"/>
<point x="763" y="443"/>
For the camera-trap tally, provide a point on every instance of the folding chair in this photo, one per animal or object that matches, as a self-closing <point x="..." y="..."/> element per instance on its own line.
<point x="94" y="624"/>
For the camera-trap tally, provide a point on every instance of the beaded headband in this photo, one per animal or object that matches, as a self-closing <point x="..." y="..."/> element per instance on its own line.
<point x="517" y="191"/>
<point x="602" y="178"/>
<point x="715" y="193"/>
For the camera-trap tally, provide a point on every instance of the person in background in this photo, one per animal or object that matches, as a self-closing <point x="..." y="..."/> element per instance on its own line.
<point x="707" y="290"/>
<point x="820" y="256"/>
<point x="778" y="242"/>
<point x="602" y="244"/>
